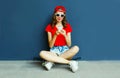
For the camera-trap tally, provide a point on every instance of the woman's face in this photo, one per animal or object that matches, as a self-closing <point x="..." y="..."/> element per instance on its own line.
<point x="59" y="16"/>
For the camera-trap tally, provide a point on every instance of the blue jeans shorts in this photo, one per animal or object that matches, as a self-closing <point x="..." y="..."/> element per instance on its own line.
<point x="59" y="49"/>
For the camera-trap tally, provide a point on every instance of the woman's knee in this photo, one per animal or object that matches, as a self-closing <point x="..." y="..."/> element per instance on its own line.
<point x="42" y="53"/>
<point x="76" y="48"/>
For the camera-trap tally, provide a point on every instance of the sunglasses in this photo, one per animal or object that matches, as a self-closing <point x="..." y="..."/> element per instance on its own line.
<point x="62" y="15"/>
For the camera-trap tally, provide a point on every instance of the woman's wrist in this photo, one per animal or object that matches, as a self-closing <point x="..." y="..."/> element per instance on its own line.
<point x="55" y="35"/>
<point x="65" y="35"/>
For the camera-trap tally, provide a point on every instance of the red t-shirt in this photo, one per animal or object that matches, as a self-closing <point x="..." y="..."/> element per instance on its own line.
<point x="60" y="40"/>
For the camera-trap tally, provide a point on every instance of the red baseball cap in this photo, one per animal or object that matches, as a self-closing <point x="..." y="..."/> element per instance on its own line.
<point x="60" y="9"/>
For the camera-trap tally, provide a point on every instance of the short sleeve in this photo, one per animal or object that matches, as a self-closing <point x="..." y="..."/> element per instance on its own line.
<point x="48" y="28"/>
<point x="68" y="28"/>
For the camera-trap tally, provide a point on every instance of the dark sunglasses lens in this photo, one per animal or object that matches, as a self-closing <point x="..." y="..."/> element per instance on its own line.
<point x="62" y="15"/>
<point x="57" y="15"/>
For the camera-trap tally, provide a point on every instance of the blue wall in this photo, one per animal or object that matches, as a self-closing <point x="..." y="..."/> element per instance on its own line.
<point x="95" y="23"/>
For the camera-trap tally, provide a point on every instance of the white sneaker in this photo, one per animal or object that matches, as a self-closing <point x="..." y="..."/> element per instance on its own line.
<point x="73" y="66"/>
<point x="48" y="65"/>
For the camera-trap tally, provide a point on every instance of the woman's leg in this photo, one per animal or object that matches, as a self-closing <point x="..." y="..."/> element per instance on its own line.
<point x="52" y="57"/>
<point x="70" y="53"/>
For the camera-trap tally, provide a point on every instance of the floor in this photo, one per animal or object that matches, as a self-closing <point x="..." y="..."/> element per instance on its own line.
<point x="33" y="69"/>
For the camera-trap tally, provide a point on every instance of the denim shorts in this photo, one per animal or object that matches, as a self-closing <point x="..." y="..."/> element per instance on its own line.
<point x="59" y="49"/>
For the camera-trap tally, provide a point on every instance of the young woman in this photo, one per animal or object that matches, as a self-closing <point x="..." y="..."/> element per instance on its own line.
<point x="59" y="39"/>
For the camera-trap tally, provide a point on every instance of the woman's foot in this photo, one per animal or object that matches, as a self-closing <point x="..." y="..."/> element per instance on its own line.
<point x="48" y="65"/>
<point x="73" y="66"/>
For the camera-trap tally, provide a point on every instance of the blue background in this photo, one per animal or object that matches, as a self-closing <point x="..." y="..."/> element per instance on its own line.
<point x="95" y="23"/>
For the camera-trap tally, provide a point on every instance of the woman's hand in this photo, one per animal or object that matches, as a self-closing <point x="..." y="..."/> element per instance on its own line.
<point x="57" y="32"/>
<point x="63" y="32"/>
